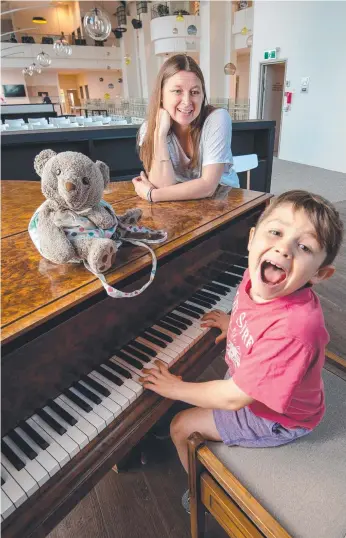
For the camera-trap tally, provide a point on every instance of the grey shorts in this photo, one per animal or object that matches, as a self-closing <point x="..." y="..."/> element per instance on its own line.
<point x="243" y="428"/>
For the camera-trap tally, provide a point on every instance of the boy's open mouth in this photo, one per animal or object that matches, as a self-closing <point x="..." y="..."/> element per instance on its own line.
<point x="272" y="274"/>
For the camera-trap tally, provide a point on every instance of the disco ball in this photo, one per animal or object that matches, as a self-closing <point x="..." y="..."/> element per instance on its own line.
<point x="97" y="24"/>
<point x="44" y="59"/>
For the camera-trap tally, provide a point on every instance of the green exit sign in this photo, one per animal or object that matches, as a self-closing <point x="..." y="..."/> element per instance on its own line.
<point x="270" y="54"/>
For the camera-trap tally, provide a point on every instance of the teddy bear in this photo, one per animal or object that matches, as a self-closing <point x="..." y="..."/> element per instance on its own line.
<point x="74" y="224"/>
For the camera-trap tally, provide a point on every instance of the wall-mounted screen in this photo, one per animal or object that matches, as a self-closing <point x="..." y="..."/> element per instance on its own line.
<point x="14" y="90"/>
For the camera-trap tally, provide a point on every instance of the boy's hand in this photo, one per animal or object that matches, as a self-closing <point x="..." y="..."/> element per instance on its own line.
<point x="218" y="319"/>
<point x="161" y="381"/>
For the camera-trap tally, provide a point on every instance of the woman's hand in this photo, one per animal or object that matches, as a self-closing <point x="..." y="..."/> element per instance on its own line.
<point x="218" y="319"/>
<point x="161" y="381"/>
<point x="142" y="185"/>
<point x="163" y="122"/>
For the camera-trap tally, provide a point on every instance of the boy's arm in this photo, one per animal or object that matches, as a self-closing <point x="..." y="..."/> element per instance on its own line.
<point x="223" y="394"/>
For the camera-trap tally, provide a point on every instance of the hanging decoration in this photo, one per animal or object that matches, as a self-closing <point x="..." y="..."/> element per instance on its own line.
<point x="44" y="59"/>
<point x="111" y="86"/>
<point x="62" y="47"/>
<point x="127" y="59"/>
<point x="175" y="31"/>
<point x="121" y="17"/>
<point x="106" y="96"/>
<point x="179" y="17"/>
<point x="120" y="80"/>
<point x="249" y="41"/>
<point x="229" y="69"/>
<point x="142" y="7"/>
<point x="192" y="30"/>
<point x="97" y="24"/>
<point x="244" y="31"/>
<point x="101" y="79"/>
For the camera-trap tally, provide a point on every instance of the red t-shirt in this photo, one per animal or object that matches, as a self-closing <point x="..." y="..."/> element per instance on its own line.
<point x="275" y="353"/>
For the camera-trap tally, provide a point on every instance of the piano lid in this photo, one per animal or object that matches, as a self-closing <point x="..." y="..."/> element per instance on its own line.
<point x="35" y="290"/>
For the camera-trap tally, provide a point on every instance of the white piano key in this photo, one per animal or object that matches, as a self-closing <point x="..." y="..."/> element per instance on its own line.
<point x="43" y="457"/>
<point x="125" y="391"/>
<point x="13" y="491"/>
<point x="110" y="404"/>
<point x="91" y="417"/>
<point x="86" y="427"/>
<point x="72" y="431"/>
<point x="63" y="440"/>
<point x="7" y="506"/>
<point x="112" y="387"/>
<point x="22" y="477"/>
<point x="54" y="449"/>
<point x="195" y="305"/>
<point x="39" y="474"/>
<point x="181" y="339"/>
<point x="99" y="409"/>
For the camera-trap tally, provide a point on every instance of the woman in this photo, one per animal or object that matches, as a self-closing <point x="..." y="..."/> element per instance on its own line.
<point x="185" y="145"/>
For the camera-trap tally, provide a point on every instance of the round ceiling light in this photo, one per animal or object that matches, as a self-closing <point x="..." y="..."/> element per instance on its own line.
<point x="44" y="59"/>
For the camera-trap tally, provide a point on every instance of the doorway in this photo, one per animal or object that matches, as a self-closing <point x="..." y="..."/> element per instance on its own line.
<point x="271" y="96"/>
<point x="72" y="100"/>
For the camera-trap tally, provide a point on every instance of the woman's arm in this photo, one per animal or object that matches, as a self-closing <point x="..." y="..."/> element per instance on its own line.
<point x="202" y="187"/>
<point x="161" y="173"/>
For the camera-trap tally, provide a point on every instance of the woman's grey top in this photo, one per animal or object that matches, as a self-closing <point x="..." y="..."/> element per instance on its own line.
<point x="214" y="148"/>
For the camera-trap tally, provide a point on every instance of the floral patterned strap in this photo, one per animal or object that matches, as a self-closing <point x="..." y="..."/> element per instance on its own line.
<point x="117" y="294"/>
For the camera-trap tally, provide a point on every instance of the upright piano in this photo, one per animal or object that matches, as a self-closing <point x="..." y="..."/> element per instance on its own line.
<point x="72" y="406"/>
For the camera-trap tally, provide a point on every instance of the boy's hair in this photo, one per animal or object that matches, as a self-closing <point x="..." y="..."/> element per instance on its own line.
<point x="322" y="214"/>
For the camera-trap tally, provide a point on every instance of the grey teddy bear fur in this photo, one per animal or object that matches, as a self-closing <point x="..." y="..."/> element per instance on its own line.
<point x="73" y="185"/>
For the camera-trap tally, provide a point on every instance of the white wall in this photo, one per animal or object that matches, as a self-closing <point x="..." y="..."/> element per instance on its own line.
<point x="243" y="72"/>
<point x="98" y="89"/>
<point x="312" y="38"/>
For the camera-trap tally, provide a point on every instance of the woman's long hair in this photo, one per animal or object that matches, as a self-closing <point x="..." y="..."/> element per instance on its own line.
<point x="179" y="62"/>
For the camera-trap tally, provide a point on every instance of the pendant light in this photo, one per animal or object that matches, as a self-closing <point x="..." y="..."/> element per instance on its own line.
<point x="44" y="59"/>
<point x="97" y="24"/>
<point x="39" y="20"/>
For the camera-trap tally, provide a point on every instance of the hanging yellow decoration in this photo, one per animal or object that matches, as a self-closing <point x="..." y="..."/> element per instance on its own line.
<point x="180" y="17"/>
<point x="244" y="31"/>
<point x="127" y="60"/>
<point x="107" y="96"/>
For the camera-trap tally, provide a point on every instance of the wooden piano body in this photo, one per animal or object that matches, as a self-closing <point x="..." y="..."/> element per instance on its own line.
<point x="58" y="324"/>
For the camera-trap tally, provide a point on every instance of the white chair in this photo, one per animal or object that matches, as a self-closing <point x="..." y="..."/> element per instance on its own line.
<point x="18" y="128"/>
<point x="42" y="121"/>
<point x="88" y="121"/>
<point x="3" y="127"/>
<point x="106" y="120"/>
<point x="96" y="124"/>
<point x="245" y="163"/>
<point x="63" y="124"/>
<point x="42" y="126"/>
<point x="73" y="119"/>
<point x="120" y="122"/>
<point x="80" y="120"/>
<point x="97" y="118"/>
<point x="15" y="123"/>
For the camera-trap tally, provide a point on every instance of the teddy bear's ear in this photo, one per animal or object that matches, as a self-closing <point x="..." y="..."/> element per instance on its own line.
<point x="104" y="171"/>
<point x="41" y="159"/>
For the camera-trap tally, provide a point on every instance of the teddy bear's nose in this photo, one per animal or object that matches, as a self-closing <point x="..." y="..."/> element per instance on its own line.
<point x="70" y="186"/>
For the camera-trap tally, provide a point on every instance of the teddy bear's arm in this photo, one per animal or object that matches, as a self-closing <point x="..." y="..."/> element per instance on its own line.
<point x="54" y="244"/>
<point x="102" y="217"/>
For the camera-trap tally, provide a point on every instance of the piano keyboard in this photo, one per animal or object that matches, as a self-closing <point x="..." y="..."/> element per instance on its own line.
<point x="40" y="446"/>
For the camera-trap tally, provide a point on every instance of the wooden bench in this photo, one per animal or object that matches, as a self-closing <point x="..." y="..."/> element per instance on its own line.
<point x="293" y="491"/>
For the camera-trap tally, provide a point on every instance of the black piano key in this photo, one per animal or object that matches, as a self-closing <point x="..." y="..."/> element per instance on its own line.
<point x="51" y="421"/>
<point x="95" y="385"/>
<point x="228" y="279"/>
<point x="168" y="327"/>
<point x="205" y="297"/>
<point x="141" y="356"/>
<point x="240" y="270"/>
<point x="77" y="400"/>
<point x="221" y="290"/>
<point x="130" y="360"/>
<point x="197" y="301"/>
<point x="11" y="456"/>
<point x="243" y="262"/>
<point x="22" y="445"/>
<point x="87" y="393"/>
<point x="185" y="310"/>
<point x="122" y="371"/>
<point x="142" y="347"/>
<point x="153" y="340"/>
<point x="159" y="334"/>
<point x="193" y="308"/>
<point x="2" y="481"/>
<point x="108" y="375"/>
<point x="36" y="437"/>
<point x="180" y="318"/>
<point x="61" y="412"/>
<point x="208" y="296"/>
<point x="174" y="322"/>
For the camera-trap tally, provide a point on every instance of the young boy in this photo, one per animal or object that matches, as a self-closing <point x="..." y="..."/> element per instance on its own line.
<point x="276" y="336"/>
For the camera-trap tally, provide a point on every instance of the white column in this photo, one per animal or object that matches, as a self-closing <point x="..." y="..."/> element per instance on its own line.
<point x="147" y="59"/>
<point x="215" y="45"/>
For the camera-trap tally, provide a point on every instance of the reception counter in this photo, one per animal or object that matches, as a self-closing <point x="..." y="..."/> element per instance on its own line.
<point x="116" y="146"/>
